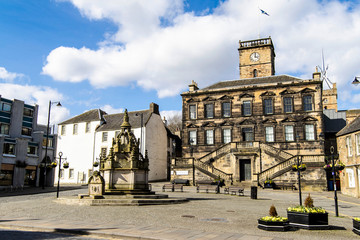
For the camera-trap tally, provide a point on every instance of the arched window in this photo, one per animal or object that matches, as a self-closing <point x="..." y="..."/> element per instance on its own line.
<point x="255" y="73"/>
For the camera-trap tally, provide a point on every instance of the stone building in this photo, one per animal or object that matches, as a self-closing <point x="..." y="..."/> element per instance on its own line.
<point x="22" y="146"/>
<point x="348" y="143"/>
<point x="92" y="133"/>
<point x="253" y="129"/>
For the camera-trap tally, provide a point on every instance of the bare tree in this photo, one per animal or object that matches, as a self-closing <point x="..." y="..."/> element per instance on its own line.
<point x="174" y="123"/>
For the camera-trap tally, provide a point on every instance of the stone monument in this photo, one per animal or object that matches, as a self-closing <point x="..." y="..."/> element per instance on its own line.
<point x="125" y="170"/>
<point x="96" y="185"/>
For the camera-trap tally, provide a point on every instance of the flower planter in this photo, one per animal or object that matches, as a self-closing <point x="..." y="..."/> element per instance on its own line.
<point x="269" y="185"/>
<point x="310" y="221"/>
<point x="65" y="166"/>
<point x="273" y="226"/>
<point x="339" y="168"/>
<point x="356" y="227"/>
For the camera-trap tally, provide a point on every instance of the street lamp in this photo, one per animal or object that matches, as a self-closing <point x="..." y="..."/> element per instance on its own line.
<point x="58" y="104"/>
<point x="298" y="167"/>
<point x="334" y="180"/>
<point x="58" y="186"/>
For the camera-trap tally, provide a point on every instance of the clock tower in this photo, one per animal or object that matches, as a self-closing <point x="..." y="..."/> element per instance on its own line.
<point x="257" y="58"/>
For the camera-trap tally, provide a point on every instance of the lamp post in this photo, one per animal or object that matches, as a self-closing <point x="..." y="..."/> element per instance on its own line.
<point x="298" y="167"/>
<point x="193" y="163"/>
<point x="47" y="139"/>
<point x="58" y="185"/>
<point x="334" y="180"/>
<point x="356" y="81"/>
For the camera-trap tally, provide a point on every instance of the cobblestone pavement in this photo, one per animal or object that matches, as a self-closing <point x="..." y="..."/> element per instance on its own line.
<point x="205" y="216"/>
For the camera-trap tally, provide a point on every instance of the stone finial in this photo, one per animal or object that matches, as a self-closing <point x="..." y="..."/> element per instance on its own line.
<point x="126" y="123"/>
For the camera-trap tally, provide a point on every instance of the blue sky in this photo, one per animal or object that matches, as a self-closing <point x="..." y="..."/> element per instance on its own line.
<point x="118" y="54"/>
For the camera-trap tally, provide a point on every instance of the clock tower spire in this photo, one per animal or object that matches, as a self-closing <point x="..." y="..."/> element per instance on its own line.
<point x="257" y="58"/>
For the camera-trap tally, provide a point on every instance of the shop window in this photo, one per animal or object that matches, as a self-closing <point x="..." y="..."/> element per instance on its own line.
<point x="50" y="142"/>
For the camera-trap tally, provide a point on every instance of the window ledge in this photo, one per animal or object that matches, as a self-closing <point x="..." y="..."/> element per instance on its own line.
<point x="9" y="155"/>
<point x="32" y="155"/>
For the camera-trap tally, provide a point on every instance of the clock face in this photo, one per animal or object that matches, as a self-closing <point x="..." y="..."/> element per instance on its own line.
<point x="255" y="57"/>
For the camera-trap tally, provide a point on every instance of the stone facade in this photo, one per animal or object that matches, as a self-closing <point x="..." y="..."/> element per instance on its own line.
<point x="348" y="143"/>
<point x="251" y="129"/>
<point x="330" y="98"/>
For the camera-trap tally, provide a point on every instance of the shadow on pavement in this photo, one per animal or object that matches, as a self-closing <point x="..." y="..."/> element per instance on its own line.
<point x="38" y="190"/>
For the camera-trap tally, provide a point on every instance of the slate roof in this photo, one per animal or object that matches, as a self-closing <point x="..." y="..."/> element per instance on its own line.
<point x="334" y="121"/>
<point x="354" y="126"/>
<point x="91" y="115"/>
<point x="253" y="81"/>
<point x="114" y="121"/>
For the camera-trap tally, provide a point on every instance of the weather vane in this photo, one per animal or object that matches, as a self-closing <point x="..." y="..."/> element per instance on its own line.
<point x="323" y="72"/>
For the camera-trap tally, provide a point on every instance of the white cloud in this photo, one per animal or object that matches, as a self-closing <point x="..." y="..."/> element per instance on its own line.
<point x="110" y="110"/>
<point x="9" y="76"/>
<point x="166" y="57"/>
<point x="37" y="95"/>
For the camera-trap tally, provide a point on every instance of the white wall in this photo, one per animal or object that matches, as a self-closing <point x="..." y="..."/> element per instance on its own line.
<point x="78" y="149"/>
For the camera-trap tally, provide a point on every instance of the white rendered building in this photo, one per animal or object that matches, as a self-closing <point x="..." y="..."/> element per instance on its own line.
<point x="83" y="138"/>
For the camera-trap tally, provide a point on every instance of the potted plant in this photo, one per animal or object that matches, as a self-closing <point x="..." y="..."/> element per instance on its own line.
<point x="96" y="163"/>
<point x="53" y="164"/>
<point x="65" y="165"/>
<point x="328" y="167"/>
<point x="356" y="226"/>
<point x="339" y="166"/>
<point x="308" y="216"/>
<point x="269" y="183"/>
<point x="301" y="167"/>
<point x="273" y="222"/>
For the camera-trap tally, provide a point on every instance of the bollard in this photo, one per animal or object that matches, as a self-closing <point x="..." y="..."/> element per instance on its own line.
<point x="253" y="192"/>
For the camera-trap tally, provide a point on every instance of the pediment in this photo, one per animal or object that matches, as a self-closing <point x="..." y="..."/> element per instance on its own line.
<point x="307" y="90"/>
<point x="225" y="97"/>
<point x="269" y="120"/>
<point x="248" y="122"/>
<point x="209" y="124"/>
<point x="268" y="94"/>
<point x="191" y="125"/>
<point x="227" y="123"/>
<point x="192" y="100"/>
<point x="246" y="95"/>
<point x="309" y="119"/>
<point x="289" y="119"/>
<point x="287" y="92"/>
<point x="208" y="98"/>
